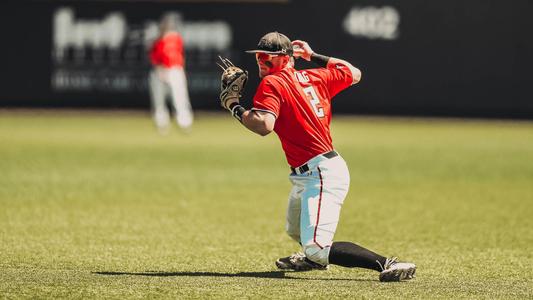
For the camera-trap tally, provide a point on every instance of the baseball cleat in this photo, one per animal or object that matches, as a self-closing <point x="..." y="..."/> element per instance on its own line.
<point x="298" y="262"/>
<point x="396" y="271"/>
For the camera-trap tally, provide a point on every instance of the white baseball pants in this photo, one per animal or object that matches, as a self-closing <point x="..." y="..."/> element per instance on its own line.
<point x="315" y="204"/>
<point x="170" y="81"/>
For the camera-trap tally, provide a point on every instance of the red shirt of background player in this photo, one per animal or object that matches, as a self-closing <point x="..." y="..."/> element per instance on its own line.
<point x="301" y="102"/>
<point x="168" y="51"/>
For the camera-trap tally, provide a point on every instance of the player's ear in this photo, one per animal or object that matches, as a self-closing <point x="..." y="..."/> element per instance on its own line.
<point x="286" y="59"/>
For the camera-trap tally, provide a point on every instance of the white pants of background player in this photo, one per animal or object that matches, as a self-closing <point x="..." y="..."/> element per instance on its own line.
<point x="171" y="82"/>
<point x="315" y="204"/>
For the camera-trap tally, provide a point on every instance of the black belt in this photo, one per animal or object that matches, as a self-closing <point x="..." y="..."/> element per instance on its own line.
<point x="304" y="168"/>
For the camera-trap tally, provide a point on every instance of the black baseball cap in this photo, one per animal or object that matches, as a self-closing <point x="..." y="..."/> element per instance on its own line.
<point x="274" y="43"/>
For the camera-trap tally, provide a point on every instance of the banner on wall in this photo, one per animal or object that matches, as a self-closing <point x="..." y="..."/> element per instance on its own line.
<point x="110" y="54"/>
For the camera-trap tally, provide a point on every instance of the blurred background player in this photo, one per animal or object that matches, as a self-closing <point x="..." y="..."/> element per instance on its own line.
<point x="168" y="78"/>
<point x="297" y="106"/>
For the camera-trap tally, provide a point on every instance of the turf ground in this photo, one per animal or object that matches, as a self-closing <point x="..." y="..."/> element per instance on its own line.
<point x="97" y="205"/>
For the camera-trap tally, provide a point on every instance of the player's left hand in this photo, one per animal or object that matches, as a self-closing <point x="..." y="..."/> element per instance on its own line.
<point x="231" y="83"/>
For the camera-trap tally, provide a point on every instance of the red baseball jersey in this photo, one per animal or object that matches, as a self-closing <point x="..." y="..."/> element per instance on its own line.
<point x="301" y="103"/>
<point x="168" y="51"/>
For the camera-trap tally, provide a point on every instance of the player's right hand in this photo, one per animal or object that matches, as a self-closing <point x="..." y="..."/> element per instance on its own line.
<point x="232" y="83"/>
<point x="301" y="49"/>
<point x="232" y="86"/>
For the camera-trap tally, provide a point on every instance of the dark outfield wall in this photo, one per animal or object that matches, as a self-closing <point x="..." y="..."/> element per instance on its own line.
<point x="418" y="57"/>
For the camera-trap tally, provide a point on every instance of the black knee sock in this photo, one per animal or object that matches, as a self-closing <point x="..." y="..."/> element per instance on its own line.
<point x="350" y="255"/>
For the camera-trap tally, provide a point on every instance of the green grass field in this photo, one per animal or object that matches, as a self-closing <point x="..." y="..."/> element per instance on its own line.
<point x="97" y="205"/>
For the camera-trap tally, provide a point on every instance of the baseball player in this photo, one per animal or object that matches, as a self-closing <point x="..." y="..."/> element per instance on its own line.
<point x="297" y="106"/>
<point x="168" y="77"/>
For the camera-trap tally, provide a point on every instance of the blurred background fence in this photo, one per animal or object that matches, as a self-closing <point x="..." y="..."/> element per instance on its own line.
<point x="438" y="58"/>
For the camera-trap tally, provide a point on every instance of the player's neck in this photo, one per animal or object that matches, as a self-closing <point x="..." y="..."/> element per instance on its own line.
<point x="289" y="66"/>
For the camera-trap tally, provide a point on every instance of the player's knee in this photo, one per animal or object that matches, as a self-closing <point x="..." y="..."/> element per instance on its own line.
<point x="317" y="254"/>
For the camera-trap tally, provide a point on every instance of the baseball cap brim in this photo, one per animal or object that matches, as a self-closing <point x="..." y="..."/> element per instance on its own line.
<point x="267" y="52"/>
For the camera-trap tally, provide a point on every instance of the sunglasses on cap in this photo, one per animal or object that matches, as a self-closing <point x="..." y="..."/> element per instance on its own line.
<point x="265" y="56"/>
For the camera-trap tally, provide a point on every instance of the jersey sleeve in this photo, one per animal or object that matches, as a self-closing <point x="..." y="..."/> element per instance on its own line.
<point x="338" y="77"/>
<point x="155" y="57"/>
<point x="267" y="97"/>
<point x="180" y="53"/>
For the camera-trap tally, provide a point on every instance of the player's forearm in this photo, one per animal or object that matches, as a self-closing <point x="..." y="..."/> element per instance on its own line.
<point x="258" y="123"/>
<point x="356" y="73"/>
<point x="331" y="62"/>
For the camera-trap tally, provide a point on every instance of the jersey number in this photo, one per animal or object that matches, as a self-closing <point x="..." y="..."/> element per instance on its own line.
<point x="313" y="99"/>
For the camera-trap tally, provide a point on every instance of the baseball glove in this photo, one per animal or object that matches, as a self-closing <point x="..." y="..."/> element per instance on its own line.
<point x="231" y="83"/>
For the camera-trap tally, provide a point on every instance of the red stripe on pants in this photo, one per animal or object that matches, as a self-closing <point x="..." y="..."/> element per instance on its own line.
<point x="318" y="211"/>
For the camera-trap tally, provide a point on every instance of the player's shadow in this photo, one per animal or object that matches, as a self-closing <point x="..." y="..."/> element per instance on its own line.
<point x="267" y="274"/>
